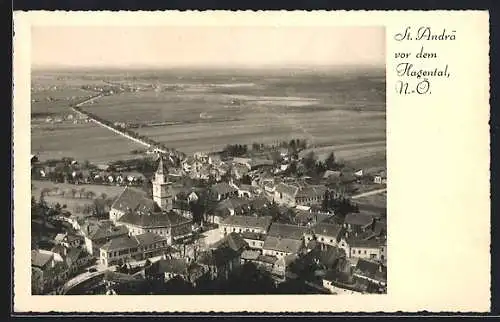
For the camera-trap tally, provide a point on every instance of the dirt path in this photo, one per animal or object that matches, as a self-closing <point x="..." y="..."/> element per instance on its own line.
<point x="369" y="193"/>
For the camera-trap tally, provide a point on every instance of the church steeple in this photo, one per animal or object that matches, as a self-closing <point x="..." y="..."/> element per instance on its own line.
<point x="161" y="188"/>
<point x="161" y="173"/>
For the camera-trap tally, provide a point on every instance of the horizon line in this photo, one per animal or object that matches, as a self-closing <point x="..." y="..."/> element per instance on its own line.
<point x="208" y="67"/>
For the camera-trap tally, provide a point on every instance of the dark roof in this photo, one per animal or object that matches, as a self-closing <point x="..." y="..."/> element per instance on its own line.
<point x="358" y="219"/>
<point x="149" y="238"/>
<point x="175" y="265"/>
<point x="133" y="200"/>
<point x="233" y="241"/>
<point x="283" y="244"/>
<point x="371" y="270"/>
<point x="223" y="188"/>
<point x="287" y="231"/>
<point x="153" y="219"/>
<point x="108" y="231"/>
<point x="124" y="242"/>
<point x="327" y="229"/>
<point x="248" y="221"/>
<point x="254" y="236"/>
<point x="368" y="243"/>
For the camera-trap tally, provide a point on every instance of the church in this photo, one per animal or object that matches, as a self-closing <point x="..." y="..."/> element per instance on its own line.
<point x="140" y="214"/>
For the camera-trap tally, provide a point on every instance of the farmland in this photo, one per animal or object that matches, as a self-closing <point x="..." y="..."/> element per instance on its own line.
<point x="206" y="110"/>
<point x="83" y="141"/>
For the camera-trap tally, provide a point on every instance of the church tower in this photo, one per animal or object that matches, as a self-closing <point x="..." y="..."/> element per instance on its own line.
<point x="162" y="194"/>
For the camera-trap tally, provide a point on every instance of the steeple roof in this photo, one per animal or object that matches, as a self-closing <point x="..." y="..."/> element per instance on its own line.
<point x="161" y="167"/>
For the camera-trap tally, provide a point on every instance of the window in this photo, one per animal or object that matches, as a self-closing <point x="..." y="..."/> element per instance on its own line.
<point x="331" y="240"/>
<point x="359" y="251"/>
<point x="365" y="252"/>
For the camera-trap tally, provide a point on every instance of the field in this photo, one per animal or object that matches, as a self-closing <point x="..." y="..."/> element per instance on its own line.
<point x="110" y="191"/>
<point x="344" y="112"/>
<point x="86" y="141"/>
<point x="204" y="110"/>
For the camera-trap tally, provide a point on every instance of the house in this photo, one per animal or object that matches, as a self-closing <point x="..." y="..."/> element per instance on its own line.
<point x="240" y="224"/>
<point x="219" y="263"/>
<point x="73" y="240"/>
<point x="234" y="206"/>
<point x="233" y="241"/>
<point x="223" y="190"/>
<point x="373" y="272"/>
<point x="327" y="233"/>
<point x="372" y="248"/>
<point x="287" y="231"/>
<point x="380" y="178"/>
<point x="167" y="224"/>
<point x="358" y="222"/>
<point x="130" y="200"/>
<point x="254" y="240"/>
<point x="281" y="246"/>
<point x="292" y="195"/>
<point x="133" y="248"/>
<point x="50" y="268"/>
<point x="341" y="283"/>
<point x="248" y="191"/>
<point x="167" y="269"/>
<point x="98" y="235"/>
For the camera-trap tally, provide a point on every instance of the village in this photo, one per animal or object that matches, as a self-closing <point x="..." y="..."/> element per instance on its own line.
<point x="254" y="219"/>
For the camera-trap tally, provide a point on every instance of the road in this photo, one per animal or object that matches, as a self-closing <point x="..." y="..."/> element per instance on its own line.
<point x="369" y="193"/>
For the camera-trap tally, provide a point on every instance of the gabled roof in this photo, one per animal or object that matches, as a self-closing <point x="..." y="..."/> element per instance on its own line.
<point x="358" y="219"/>
<point x="108" y="231"/>
<point x="175" y="266"/>
<point x="153" y="219"/>
<point x="365" y="243"/>
<point x="371" y="270"/>
<point x="119" y="243"/>
<point x="311" y="191"/>
<point x="287" y="231"/>
<point x="285" y="245"/>
<point x="248" y="221"/>
<point x="233" y="241"/>
<point x="149" y="238"/>
<point x="133" y="200"/>
<point x="327" y="229"/>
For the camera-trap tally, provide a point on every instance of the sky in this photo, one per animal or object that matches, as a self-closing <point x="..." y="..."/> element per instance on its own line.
<point x="171" y="46"/>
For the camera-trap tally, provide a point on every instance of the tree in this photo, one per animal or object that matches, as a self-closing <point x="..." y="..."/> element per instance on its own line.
<point x="73" y="192"/>
<point x="330" y="161"/>
<point x="309" y="161"/>
<point x="104" y="196"/>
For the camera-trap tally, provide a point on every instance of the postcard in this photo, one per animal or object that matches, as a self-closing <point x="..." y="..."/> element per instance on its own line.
<point x="239" y="161"/>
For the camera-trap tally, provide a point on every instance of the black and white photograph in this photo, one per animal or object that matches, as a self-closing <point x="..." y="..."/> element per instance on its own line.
<point x="186" y="160"/>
